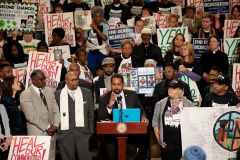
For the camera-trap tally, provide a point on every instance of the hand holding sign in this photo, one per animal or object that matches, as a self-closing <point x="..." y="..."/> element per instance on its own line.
<point x="4" y="146"/>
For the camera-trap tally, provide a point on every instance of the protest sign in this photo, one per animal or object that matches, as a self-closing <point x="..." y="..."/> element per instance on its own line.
<point x="83" y="19"/>
<point x="29" y="147"/>
<point x="214" y="129"/>
<point x="65" y="53"/>
<point x="179" y="3"/>
<point x="199" y="6"/>
<point x="233" y="3"/>
<point x="45" y="62"/>
<point x="230" y="48"/>
<point x="20" y="74"/>
<point x="230" y="27"/>
<point x="116" y="36"/>
<point x="90" y="3"/>
<point x="106" y="2"/>
<point x="196" y="96"/>
<point x="165" y="36"/>
<point x="43" y="8"/>
<point x="200" y="45"/>
<point x="236" y="79"/>
<point x="145" y="79"/>
<point x="165" y="10"/>
<point x="60" y="20"/>
<point x="21" y="16"/>
<point x="178" y="11"/>
<point x="149" y="22"/>
<point x="161" y="20"/>
<point x="130" y="22"/>
<point x="214" y="7"/>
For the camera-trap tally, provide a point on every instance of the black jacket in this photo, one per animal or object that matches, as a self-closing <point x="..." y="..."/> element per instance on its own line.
<point x="125" y="12"/>
<point x="99" y="84"/>
<point x="161" y="91"/>
<point x="156" y="53"/>
<point x="135" y="62"/>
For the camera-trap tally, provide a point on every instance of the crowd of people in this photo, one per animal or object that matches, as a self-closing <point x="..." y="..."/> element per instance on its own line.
<point x="70" y="113"/>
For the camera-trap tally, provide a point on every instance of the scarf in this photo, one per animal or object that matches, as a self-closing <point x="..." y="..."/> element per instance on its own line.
<point x="64" y="113"/>
<point x="202" y="35"/>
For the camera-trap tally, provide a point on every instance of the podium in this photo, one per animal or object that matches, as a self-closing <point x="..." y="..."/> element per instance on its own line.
<point x="121" y="130"/>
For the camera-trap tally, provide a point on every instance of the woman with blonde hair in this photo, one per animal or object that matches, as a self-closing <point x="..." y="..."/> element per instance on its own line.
<point x="187" y="64"/>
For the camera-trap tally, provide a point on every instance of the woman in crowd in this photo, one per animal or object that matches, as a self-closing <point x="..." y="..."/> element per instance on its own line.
<point x="235" y="13"/>
<point x="96" y="39"/>
<point x="11" y="101"/>
<point x="13" y="52"/>
<point x="57" y="37"/>
<point x="146" y="12"/>
<point x="5" y="134"/>
<point x="58" y="8"/>
<point x="86" y="74"/>
<point x="187" y="64"/>
<point x="135" y="7"/>
<point x="168" y="135"/>
<point x="173" y="21"/>
<point x="237" y="33"/>
<point x="125" y="61"/>
<point x="173" y="54"/>
<point x="213" y="57"/>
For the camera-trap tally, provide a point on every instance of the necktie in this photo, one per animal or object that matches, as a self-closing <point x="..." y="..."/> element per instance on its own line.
<point x="43" y="98"/>
<point x="72" y="95"/>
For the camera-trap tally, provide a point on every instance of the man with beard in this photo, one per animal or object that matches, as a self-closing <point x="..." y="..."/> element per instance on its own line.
<point x="107" y="103"/>
<point x="104" y="81"/>
<point x="221" y="97"/>
<point x="147" y="50"/>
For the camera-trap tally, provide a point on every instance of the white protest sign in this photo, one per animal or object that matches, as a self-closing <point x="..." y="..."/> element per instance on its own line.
<point x="83" y="19"/>
<point x="90" y="3"/>
<point x="233" y="3"/>
<point x="179" y="2"/>
<point x="230" y="47"/>
<point x="178" y="11"/>
<point x="214" y="129"/>
<point x="236" y="79"/>
<point x="165" y="36"/>
<point x="45" y="62"/>
<point x="29" y="147"/>
<point x="43" y="8"/>
<point x="60" y="20"/>
<point x="20" y="74"/>
<point x="106" y="2"/>
<point x="230" y="27"/>
<point x="65" y="53"/>
<point x="161" y="20"/>
<point x="196" y="96"/>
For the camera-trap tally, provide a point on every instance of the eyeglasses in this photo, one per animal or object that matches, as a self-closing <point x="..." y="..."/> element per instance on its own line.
<point x="169" y="71"/>
<point x="212" y="75"/>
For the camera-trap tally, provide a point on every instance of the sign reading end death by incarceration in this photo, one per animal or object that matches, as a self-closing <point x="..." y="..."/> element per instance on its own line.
<point x="216" y="6"/>
<point x="21" y="16"/>
<point x="116" y="36"/>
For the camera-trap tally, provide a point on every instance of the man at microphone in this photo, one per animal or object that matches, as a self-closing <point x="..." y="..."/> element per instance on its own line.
<point x="117" y="98"/>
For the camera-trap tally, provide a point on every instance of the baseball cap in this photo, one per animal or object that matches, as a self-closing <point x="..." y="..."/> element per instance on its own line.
<point x="223" y="79"/>
<point x="176" y="84"/>
<point x="108" y="60"/>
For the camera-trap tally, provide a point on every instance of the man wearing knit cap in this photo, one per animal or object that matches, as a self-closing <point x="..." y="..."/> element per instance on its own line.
<point x="147" y="50"/>
<point x="194" y="153"/>
<point x="104" y="81"/>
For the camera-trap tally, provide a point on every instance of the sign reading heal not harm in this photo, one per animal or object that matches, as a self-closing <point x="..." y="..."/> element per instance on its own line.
<point x="116" y="36"/>
<point x="21" y="16"/>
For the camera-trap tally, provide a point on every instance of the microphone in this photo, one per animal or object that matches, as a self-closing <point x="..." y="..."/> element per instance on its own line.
<point x="119" y="101"/>
<point x="119" y="98"/>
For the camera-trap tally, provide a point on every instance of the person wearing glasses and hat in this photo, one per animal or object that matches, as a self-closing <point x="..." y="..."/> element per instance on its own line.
<point x="161" y="89"/>
<point x="220" y="96"/>
<point x="166" y="121"/>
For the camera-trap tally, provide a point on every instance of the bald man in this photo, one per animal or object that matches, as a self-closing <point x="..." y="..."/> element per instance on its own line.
<point x="74" y="67"/>
<point x="77" y="119"/>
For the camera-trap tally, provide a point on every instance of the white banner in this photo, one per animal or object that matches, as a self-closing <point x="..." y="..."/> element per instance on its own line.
<point x="230" y="27"/>
<point x="29" y="147"/>
<point x="44" y="61"/>
<point x="20" y="74"/>
<point x="65" y="53"/>
<point x="214" y="129"/>
<point x="165" y="36"/>
<point x="230" y="47"/>
<point x="236" y="79"/>
<point x="60" y="20"/>
<point x="161" y="20"/>
<point x="83" y="19"/>
<point x="196" y="96"/>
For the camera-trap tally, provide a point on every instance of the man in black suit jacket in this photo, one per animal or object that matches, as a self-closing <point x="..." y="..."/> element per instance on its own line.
<point x="76" y="70"/>
<point x="104" y="81"/>
<point x="75" y="127"/>
<point x="106" y="104"/>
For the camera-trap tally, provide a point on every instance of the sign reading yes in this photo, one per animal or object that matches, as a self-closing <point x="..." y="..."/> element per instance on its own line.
<point x="230" y="47"/>
<point x="166" y="35"/>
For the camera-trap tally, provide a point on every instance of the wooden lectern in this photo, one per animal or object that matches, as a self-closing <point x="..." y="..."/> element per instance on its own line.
<point x="121" y="130"/>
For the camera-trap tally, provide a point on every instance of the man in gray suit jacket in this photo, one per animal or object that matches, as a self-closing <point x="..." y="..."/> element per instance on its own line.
<point x="41" y="110"/>
<point x="77" y="123"/>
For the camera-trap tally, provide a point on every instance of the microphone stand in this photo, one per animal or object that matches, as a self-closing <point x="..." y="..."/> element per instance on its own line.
<point x="119" y="99"/>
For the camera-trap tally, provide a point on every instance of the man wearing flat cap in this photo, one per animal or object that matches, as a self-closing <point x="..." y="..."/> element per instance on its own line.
<point x="104" y="81"/>
<point x="221" y="96"/>
<point x="147" y="50"/>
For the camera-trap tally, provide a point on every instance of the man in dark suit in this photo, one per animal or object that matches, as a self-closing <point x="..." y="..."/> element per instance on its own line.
<point x="74" y="67"/>
<point x="106" y="104"/>
<point x="104" y="81"/>
<point x="76" y="119"/>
